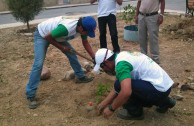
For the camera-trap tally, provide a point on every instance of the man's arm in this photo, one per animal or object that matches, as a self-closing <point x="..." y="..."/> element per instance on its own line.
<point x="162" y="6"/>
<point x="52" y="41"/>
<point x="108" y="100"/>
<point x="137" y="11"/>
<point x="88" y="48"/>
<point x="92" y="1"/>
<point x="119" y="2"/>
<point x="122" y="97"/>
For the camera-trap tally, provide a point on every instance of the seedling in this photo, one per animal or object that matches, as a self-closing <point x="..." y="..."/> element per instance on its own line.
<point x="102" y="90"/>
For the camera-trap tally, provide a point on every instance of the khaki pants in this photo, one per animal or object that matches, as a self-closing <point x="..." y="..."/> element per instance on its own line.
<point x="148" y="26"/>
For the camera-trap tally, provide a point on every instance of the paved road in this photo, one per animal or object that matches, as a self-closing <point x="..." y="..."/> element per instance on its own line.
<point x="176" y="5"/>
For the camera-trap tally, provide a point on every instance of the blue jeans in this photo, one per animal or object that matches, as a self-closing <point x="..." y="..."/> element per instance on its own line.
<point x="40" y="49"/>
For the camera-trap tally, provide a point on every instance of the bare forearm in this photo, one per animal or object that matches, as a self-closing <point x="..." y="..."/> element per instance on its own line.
<point x="124" y="94"/>
<point x="162" y="6"/>
<point x="109" y="99"/>
<point x="88" y="48"/>
<point x="137" y="8"/>
<point x="119" y="101"/>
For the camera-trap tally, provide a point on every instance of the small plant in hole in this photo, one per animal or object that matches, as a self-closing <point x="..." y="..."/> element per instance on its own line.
<point x="102" y="90"/>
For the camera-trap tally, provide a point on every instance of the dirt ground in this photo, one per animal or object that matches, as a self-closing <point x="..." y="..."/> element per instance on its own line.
<point x="63" y="103"/>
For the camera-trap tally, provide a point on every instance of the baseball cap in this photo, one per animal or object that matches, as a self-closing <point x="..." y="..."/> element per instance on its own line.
<point x="100" y="56"/>
<point x="89" y="23"/>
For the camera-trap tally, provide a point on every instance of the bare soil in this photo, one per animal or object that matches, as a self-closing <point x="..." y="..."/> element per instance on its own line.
<point x="63" y="103"/>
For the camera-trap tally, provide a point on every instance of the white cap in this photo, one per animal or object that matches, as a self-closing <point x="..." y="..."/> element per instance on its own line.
<point x="100" y="57"/>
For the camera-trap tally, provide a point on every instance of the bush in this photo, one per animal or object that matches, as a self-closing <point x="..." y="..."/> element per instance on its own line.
<point x="25" y="10"/>
<point x="128" y="13"/>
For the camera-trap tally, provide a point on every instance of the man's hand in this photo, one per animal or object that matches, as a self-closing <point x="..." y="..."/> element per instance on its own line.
<point x="107" y="113"/>
<point x="160" y="19"/>
<point x="100" y="109"/>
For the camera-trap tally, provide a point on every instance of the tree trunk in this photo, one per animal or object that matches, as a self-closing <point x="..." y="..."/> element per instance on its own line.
<point x="28" y="26"/>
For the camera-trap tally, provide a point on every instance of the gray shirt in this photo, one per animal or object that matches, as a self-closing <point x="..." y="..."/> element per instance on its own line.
<point x="149" y="6"/>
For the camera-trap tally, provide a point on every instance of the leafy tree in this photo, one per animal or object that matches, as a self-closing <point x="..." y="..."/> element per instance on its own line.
<point x="25" y="10"/>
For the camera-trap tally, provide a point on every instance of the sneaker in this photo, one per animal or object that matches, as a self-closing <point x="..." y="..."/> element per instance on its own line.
<point x="84" y="79"/>
<point x="163" y="109"/>
<point x="124" y="114"/>
<point x="32" y="103"/>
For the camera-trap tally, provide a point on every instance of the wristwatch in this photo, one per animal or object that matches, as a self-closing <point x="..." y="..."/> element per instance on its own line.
<point x="162" y="15"/>
<point x="110" y="108"/>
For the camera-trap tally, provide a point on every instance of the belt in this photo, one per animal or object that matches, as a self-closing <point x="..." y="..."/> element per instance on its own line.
<point x="148" y="14"/>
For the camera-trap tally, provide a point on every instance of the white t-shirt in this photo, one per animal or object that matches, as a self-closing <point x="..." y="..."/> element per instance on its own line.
<point x="141" y="67"/>
<point x="106" y="7"/>
<point x="47" y="26"/>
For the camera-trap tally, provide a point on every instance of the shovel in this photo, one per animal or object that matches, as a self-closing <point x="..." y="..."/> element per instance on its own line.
<point x="79" y="54"/>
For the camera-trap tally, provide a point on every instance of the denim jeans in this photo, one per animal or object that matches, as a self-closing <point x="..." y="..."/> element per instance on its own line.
<point x="111" y="21"/>
<point x="40" y="49"/>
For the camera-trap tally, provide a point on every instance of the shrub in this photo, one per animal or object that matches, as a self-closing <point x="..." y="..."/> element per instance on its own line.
<point x="128" y="13"/>
<point x="25" y="10"/>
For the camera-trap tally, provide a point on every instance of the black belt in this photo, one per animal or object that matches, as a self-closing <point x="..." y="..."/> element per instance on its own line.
<point x="148" y="14"/>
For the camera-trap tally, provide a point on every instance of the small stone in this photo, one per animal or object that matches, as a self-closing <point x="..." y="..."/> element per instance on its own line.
<point x="28" y="34"/>
<point x="172" y="32"/>
<point x="186" y="87"/>
<point x="69" y="75"/>
<point x="175" y="85"/>
<point x="178" y="97"/>
<point x="46" y="74"/>
<point x="35" y="115"/>
<point x="90" y="106"/>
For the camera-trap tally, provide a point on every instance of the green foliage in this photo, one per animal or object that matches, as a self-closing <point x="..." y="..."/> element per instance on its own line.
<point x="128" y="13"/>
<point x="25" y="10"/>
<point x="101" y="91"/>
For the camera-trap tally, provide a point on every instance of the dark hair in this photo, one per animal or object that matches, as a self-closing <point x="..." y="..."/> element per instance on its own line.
<point x="79" y="23"/>
<point x="112" y="57"/>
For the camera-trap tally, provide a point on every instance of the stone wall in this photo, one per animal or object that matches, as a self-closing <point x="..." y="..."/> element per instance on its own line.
<point x="47" y="3"/>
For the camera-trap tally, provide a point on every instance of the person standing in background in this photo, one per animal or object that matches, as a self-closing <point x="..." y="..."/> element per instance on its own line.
<point x="107" y="15"/>
<point x="149" y="20"/>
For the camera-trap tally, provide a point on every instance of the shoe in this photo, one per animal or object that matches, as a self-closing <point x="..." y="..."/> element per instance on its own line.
<point x="32" y="103"/>
<point x="84" y="79"/>
<point x="124" y="114"/>
<point x="163" y="109"/>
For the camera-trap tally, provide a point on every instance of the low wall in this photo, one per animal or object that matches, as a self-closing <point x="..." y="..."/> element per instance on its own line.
<point x="47" y="3"/>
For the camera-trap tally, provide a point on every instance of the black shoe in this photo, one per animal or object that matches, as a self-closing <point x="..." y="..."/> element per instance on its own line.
<point x="171" y="103"/>
<point x="124" y="114"/>
<point x="84" y="79"/>
<point x="32" y="103"/>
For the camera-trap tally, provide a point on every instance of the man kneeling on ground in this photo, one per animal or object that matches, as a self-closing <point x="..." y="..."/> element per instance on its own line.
<point x="140" y="82"/>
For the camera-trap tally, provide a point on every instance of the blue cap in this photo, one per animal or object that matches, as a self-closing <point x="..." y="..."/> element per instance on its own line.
<point x="89" y="23"/>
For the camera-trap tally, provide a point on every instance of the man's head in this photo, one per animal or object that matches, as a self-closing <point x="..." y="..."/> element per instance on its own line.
<point x="105" y="59"/>
<point x="88" y="24"/>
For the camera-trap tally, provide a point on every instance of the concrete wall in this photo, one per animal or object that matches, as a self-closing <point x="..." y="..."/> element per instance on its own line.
<point x="47" y="3"/>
